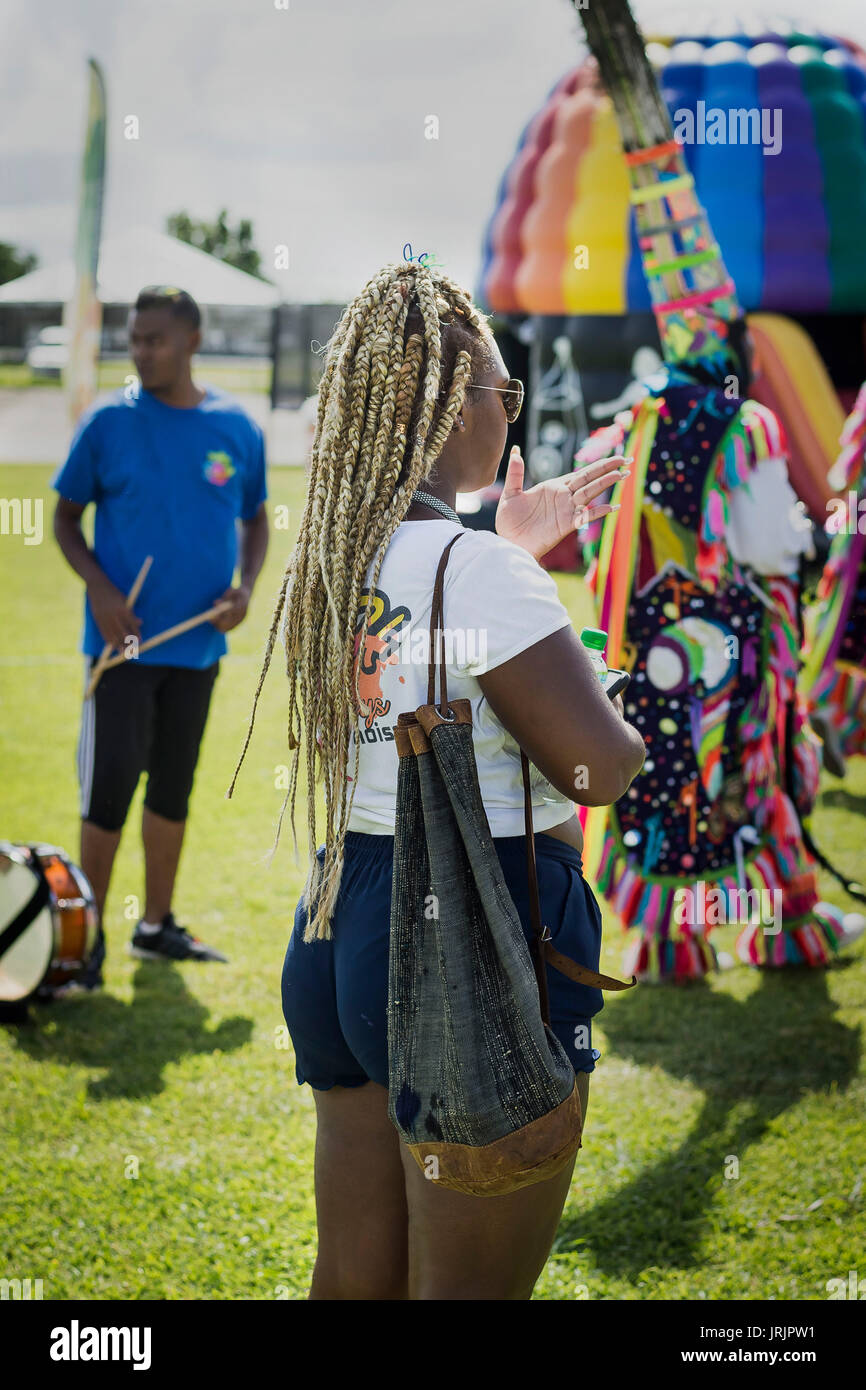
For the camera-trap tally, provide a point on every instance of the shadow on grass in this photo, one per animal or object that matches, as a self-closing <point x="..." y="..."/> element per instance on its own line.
<point x="844" y="800"/>
<point x="763" y="1053"/>
<point x="134" y="1041"/>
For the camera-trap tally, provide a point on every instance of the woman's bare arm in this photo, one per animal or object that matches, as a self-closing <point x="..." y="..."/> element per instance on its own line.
<point x="550" y="700"/>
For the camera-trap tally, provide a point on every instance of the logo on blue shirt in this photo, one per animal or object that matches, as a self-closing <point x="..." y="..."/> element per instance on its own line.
<point x="218" y="467"/>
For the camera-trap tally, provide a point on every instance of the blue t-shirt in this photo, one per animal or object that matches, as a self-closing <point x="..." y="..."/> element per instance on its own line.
<point x="171" y="483"/>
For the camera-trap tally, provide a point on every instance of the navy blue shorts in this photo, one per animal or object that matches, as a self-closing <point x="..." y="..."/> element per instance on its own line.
<point x="335" y="993"/>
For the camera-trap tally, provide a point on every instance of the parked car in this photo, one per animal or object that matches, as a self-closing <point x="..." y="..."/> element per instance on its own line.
<point x="49" y="351"/>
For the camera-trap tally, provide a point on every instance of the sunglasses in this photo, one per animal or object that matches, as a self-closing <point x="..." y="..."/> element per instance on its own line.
<point x="512" y="397"/>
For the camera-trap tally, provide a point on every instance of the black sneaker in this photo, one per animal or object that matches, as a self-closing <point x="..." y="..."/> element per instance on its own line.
<point x="171" y="942"/>
<point x="73" y="989"/>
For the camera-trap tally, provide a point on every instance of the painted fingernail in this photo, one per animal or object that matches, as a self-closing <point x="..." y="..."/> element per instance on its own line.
<point x="624" y="472"/>
<point x="616" y="506"/>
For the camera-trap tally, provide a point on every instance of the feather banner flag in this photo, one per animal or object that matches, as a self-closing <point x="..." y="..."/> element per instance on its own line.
<point x="83" y="312"/>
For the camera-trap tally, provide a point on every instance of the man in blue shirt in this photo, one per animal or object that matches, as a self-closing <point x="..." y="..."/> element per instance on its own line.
<point x="171" y="469"/>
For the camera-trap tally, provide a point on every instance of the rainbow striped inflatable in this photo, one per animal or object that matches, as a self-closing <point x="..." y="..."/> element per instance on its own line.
<point x="790" y="224"/>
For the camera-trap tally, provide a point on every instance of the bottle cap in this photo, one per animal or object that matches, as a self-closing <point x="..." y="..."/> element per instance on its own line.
<point x="594" y="638"/>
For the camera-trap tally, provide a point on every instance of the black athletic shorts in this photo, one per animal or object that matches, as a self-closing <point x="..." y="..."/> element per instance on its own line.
<point x="142" y="719"/>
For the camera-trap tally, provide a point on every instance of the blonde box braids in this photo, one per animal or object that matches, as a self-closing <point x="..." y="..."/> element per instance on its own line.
<point x="384" y="417"/>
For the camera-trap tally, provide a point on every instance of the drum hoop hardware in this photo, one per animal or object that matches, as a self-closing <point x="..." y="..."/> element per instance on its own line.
<point x="34" y="858"/>
<point x="83" y="886"/>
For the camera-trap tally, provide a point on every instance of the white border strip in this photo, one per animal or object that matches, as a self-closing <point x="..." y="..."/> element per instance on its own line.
<point x="87" y="745"/>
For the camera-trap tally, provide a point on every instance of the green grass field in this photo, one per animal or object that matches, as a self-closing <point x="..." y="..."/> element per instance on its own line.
<point x="154" y="1142"/>
<point x="229" y="376"/>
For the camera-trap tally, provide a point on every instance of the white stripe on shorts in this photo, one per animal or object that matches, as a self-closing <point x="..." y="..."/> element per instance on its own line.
<point x="86" y="745"/>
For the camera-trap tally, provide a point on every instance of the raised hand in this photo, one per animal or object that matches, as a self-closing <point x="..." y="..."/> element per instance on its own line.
<point x="539" y="518"/>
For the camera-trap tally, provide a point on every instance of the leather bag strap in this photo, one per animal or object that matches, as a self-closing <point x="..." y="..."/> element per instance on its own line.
<point x="542" y="948"/>
<point x="537" y="949"/>
<point x="435" y="624"/>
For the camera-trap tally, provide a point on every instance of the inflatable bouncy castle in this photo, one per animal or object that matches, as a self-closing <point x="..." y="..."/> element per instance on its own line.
<point x="779" y="117"/>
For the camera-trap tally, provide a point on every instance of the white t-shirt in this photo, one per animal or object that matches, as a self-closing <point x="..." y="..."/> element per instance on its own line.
<point x="497" y="602"/>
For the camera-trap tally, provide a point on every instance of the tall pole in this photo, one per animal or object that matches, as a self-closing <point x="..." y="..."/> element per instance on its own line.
<point x="692" y="294"/>
<point x="618" y="47"/>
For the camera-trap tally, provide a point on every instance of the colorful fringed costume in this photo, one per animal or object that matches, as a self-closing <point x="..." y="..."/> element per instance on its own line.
<point x="835" y="671"/>
<point x="711" y="636"/>
<point x="713" y="651"/>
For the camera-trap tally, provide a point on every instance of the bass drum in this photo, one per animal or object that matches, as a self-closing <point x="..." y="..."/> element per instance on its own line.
<point x="48" y="921"/>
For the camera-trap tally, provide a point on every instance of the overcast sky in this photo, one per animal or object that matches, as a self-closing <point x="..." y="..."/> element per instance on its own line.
<point x="310" y="120"/>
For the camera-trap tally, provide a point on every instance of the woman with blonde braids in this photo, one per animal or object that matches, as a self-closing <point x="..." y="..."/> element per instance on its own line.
<point x="413" y="408"/>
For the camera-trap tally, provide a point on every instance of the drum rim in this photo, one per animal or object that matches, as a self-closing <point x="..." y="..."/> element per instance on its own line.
<point x="30" y="855"/>
<point x="20" y="856"/>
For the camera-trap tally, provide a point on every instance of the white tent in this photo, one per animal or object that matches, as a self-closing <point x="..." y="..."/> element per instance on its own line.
<point x="143" y="257"/>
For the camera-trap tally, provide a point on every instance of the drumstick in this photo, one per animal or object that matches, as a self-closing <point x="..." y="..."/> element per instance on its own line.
<point x="172" y="632"/>
<point x="102" y="663"/>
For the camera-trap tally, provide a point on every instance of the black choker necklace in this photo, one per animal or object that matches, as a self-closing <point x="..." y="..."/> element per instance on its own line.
<point x="437" y="504"/>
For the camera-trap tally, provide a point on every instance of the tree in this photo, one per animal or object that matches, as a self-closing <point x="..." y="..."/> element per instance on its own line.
<point x="14" y="263"/>
<point x="234" y="246"/>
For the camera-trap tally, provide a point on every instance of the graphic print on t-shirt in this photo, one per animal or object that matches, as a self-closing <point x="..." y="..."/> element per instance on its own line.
<point x="381" y="649"/>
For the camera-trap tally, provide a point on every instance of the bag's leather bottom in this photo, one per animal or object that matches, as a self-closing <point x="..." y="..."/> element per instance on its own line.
<point x="528" y="1155"/>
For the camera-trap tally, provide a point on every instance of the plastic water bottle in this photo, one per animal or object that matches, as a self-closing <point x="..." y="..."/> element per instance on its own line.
<point x="595" y="641"/>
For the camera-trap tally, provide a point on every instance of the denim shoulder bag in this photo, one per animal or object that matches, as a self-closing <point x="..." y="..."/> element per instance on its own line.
<point x="479" y="1087"/>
